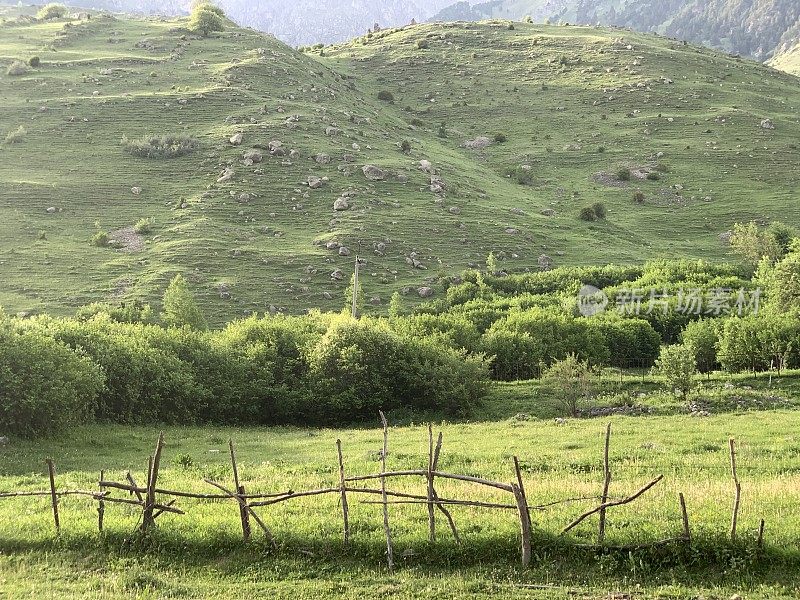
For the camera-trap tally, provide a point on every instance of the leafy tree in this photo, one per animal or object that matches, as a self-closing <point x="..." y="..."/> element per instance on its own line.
<point x="395" y="305"/>
<point x="677" y="365"/>
<point x="206" y="19"/>
<point x="782" y="282"/>
<point x="52" y="11"/>
<point x="752" y="242"/>
<point x="571" y="379"/>
<point x="702" y="337"/>
<point x="491" y="264"/>
<point x="179" y="308"/>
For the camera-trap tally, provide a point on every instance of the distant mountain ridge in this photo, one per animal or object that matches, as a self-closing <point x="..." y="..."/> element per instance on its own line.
<point x="759" y="29"/>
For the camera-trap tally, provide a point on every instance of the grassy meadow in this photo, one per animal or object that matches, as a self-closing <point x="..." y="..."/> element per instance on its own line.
<point x="201" y="554"/>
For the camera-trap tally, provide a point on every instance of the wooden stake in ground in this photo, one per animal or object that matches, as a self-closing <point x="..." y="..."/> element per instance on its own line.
<point x="51" y="469"/>
<point x="737" y="497"/>
<point x="761" y="534"/>
<point x="343" y="489"/>
<point x="601" y="533"/>
<point x="150" y="498"/>
<point x="244" y="516"/>
<point x="687" y="534"/>
<point x="436" y="454"/>
<point x="386" y="529"/>
<point x="525" y="524"/>
<point x="429" y="477"/>
<point x="101" y="506"/>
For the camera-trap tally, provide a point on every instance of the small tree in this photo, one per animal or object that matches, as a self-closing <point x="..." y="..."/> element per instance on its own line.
<point x="52" y="11"/>
<point x="677" y="365"/>
<point x="179" y="308"/>
<point x="491" y="264"/>
<point x="205" y="19"/>
<point x="571" y="379"/>
<point x="386" y="96"/>
<point x="396" y="305"/>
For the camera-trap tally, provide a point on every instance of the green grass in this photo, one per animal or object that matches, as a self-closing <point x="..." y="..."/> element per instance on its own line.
<point x="557" y="93"/>
<point x="200" y="554"/>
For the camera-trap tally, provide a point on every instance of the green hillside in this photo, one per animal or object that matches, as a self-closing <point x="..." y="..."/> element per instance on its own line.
<point x="576" y="105"/>
<point x="788" y="61"/>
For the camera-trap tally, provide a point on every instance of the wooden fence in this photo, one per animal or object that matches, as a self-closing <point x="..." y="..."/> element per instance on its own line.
<point x="155" y="501"/>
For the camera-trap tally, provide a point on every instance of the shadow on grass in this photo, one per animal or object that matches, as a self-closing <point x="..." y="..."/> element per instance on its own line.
<point x="705" y="562"/>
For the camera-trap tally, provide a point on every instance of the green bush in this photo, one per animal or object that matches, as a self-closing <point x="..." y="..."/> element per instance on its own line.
<point x="676" y="364"/>
<point x="638" y="197"/>
<point x="163" y="146"/>
<point x="52" y="11"/>
<point x="422" y="44"/>
<point x="587" y="214"/>
<point x="405" y="146"/>
<point x="500" y="138"/>
<point x="624" y="174"/>
<point x="599" y="210"/>
<point x="702" y="337"/>
<point x="143" y="226"/>
<point x="360" y="367"/>
<point x="385" y="96"/>
<point x="34" y="61"/>
<point x="45" y="386"/>
<point x="100" y="239"/>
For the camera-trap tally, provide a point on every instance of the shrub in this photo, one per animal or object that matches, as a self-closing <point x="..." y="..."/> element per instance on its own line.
<point x="653" y="176"/>
<point x="17" y="135"/>
<point x="100" y="239"/>
<point x="209" y="6"/>
<point x="422" y="44"/>
<point x="702" y="337"/>
<point x="587" y="214"/>
<point x="522" y="175"/>
<point x="164" y="146"/>
<point x="624" y="174"/>
<point x="405" y="146"/>
<point x="638" y="197"/>
<point x="599" y="210"/>
<point x="52" y="11"/>
<point x="46" y="387"/>
<point x="676" y="364"/>
<point x="500" y="138"/>
<point x="385" y="96"/>
<point x="179" y="308"/>
<point x="17" y="68"/>
<point x="572" y="381"/>
<point x="34" y="61"/>
<point x="360" y="367"/>
<point x="205" y="19"/>
<point x="143" y="226"/>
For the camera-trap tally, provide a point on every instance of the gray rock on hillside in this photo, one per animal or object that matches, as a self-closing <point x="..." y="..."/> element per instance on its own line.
<point x="341" y="204"/>
<point x="236" y="139"/>
<point x="373" y="173"/>
<point x="425" y="292"/>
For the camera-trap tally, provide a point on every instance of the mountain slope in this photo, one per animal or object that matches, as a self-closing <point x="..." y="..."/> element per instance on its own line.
<point x="788" y="61"/>
<point x="756" y="28"/>
<point x="575" y="105"/>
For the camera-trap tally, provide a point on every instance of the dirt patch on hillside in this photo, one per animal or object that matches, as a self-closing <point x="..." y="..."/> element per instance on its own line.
<point x="127" y="240"/>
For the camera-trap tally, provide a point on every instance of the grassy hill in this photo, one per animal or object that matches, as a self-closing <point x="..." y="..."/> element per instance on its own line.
<point x="788" y="61"/>
<point x="575" y="105"/>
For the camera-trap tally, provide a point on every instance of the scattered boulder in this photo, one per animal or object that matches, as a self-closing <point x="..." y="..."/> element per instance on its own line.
<point x="226" y="175"/>
<point x="341" y="204"/>
<point x="252" y="156"/>
<point x="337" y="275"/>
<point x="373" y="173"/>
<point x="322" y="158"/>
<point x="136" y="190"/>
<point x="545" y="262"/>
<point x="236" y="139"/>
<point x="548" y="212"/>
<point x="767" y="124"/>
<point x="344" y="251"/>
<point x="314" y="182"/>
<point x="332" y="245"/>
<point x="425" y="292"/>
<point x="454" y="210"/>
<point x="425" y="166"/>
<point x="479" y="143"/>
<point x="332" y="131"/>
<point x="52" y="209"/>
<point x="438" y="185"/>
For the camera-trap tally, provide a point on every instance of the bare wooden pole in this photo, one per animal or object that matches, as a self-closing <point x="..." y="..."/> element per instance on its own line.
<point x="386" y="528"/>
<point x="147" y="514"/>
<point x="525" y="524"/>
<point x="436" y="454"/>
<point x="343" y="489"/>
<point x="249" y="509"/>
<point x="431" y="513"/>
<point x="601" y="534"/>
<point x="243" y="514"/>
<point x="101" y="507"/>
<point x="687" y="533"/>
<point x="51" y="469"/>
<point x="761" y="534"/>
<point x="132" y="481"/>
<point x="737" y="497"/>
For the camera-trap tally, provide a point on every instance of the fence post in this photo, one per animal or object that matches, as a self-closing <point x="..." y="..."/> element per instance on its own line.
<point x="51" y="469"/>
